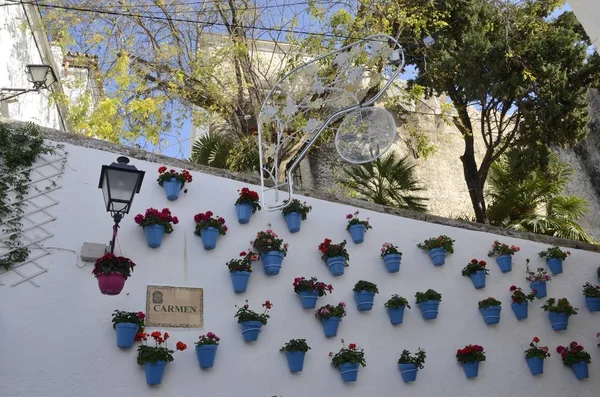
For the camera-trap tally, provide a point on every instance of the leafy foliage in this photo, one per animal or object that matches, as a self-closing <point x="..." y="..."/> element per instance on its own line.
<point x="518" y="296"/>
<point x="209" y="339"/>
<point x="396" y="302"/>
<point x="536" y="351"/>
<point x="475" y="266"/>
<point x="363" y="285"/>
<point x="528" y="198"/>
<point x="212" y="149"/>
<point x="429" y="295"/>
<point x="444" y="242"/>
<point x="554" y="252"/>
<point x="499" y="249"/>
<point x="244" y="264"/>
<point x="388" y="249"/>
<point x="417" y="359"/>
<point x="206" y="220"/>
<point x="354" y="220"/>
<point x="470" y="353"/>
<point x="348" y="355"/>
<point x="158" y="352"/>
<point x="111" y="263"/>
<point x="152" y="216"/>
<point x="573" y="354"/>
<point x="303" y="285"/>
<point x="589" y="291"/>
<point x="297" y="206"/>
<point x="245" y="314"/>
<point x="296" y="345"/>
<point x="389" y="180"/>
<point x="327" y="311"/>
<point x="268" y="240"/>
<point x="540" y="275"/>
<point x="164" y="175"/>
<point x="329" y="250"/>
<point x="560" y="306"/>
<point x="489" y="302"/>
<point x="248" y="196"/>
<point x="120" y="316"/>
<point x="19" y="149"/>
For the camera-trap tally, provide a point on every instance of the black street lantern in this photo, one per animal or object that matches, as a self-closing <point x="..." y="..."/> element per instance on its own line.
<point x="119" y="183"/>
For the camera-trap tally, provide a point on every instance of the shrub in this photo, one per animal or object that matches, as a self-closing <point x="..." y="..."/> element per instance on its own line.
<point x="429" y="295"/>
<point x="365" y="286"/>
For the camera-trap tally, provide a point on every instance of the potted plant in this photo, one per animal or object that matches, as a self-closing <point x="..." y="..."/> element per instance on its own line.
<point x="252" y="322"/>
<point x="470" y="357"/>
<point x="477" y="271"/>
<point x="173" y="181"/>
<point x="438" y="248"/>
<point x="156" y="224"/>
<point x="490" y="310"/>
<point x="111" y="272"/>
<point x="155" y="358"/>
<point x="554" y="258"/>
<point x="538" y="281"/>
<point x="127" y="325"/>
<point x="271" y="250"/>
<point x="357" y="228"/>
<point x="395" y="307"/>
<point x="335" y="256"/>
<point x="209" y="227"/>
<point x="520" y="302"/>
<point x="206" y="349"/>
<point x="535" y="356"/>
<point x="348" y="360"/>
<point x="428" y="302"/>
<point x="410" y="364"/>
<point x="240" y="269"/>
<point x="592" y="297"/>
<point x="310" y="290"/>
<point x="294" y="213"/>
<point x="391" y="257"/>
<point x="330" y="317"/>
<point x="575" y="357"/>
<point x="364" y="294"/>
<point x="295" y="350"/>
<point x="503" y="254"/>
<point x="559" y="313"/>
<point x="246" y="205"/>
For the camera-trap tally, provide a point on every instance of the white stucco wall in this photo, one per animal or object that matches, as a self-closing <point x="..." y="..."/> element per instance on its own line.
<point x="58" y="340"/>
<point x="588" y="14"/>
<point x="18" y="47"/>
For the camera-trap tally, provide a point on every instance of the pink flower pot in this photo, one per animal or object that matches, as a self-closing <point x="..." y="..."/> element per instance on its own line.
<point x="112" y="284"/>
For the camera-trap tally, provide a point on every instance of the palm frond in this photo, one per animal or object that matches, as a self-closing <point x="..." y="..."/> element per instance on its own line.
<point x="212" y="149"/>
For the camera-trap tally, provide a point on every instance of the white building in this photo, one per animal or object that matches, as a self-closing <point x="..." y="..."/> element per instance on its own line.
<point x="24" y="42"/>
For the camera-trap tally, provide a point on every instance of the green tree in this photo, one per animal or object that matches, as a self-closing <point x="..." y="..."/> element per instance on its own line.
<point x="531" y="199"/>
<point x="212" y="149"/>
<point x="526" y="75"/>
<point x="389" y="180"/>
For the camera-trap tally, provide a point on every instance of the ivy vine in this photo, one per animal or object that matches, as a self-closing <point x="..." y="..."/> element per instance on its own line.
<point x="19" y="149"/>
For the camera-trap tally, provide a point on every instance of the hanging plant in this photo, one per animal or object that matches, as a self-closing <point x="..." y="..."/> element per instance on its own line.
<point x="19" y="149"/>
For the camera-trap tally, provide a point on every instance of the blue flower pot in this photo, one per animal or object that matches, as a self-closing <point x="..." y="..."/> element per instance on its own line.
<point x="429" y="309"/>
<point x="209" y="237"/>
<point x="172" y="189"/>
<point x="206" y="355"/>
<point x="330" y="326"/>
<point x="491" y="315"/>
<point x="555" y="265"/>
<point x="396" y="315"/>
<point x="392" y="262"/>
<point x="559" y="321"/>
<point x="471" y="369"/>
<point x="294" y="221"/>
<point x="505" y="263"/>
<point x="250" y="330"/>
<point x="539" y="288"/>
<point x="364" y="300"/>
<point x="309" y="299"/>
<point x="239" y="281"/>
<point x="336" y="265"/>
<point x="520" y="310"/>
<point x="126" y="334"/>
<point x="593" y="304"/>
<point x="154" y="235"/>
<point x="581" y="370"/>
<point x="438" y="256"/>
<point x="272" y="262"/>
<point x="408" y="372"/>
<point x="478" y="279"/>
<point x="536" y="365"/>
<point x="358" y="233"/>
<point x="244" y="212"/>
<point x="295" y="361"/>
<point x="349" y="371"/>
<point x="154" y="372"/>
